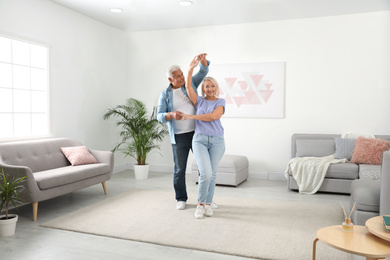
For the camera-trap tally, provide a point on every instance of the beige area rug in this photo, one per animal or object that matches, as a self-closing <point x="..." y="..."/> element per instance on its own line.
<point x="244" y="227"/>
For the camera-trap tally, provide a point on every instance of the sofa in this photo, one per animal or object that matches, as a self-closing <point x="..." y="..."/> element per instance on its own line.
<point x="339" y="177"/>
<point x="372" y="196"/>
<point x="49" y="173"/>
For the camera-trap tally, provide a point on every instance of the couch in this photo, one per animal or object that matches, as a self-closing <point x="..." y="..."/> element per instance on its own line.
<point x="48" y="171"/>
<point x="372" y="197"/>
<point x="339" y="177"/>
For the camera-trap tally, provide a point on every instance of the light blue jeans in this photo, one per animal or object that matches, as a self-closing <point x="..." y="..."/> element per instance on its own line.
<point x="208" y="152"/>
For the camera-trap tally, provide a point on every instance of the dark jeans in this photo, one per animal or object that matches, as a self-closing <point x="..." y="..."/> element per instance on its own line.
<point x="180" y="155"/>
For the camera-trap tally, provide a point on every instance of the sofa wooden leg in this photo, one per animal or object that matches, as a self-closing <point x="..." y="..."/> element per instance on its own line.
<point x="104" y="187"/>
<point x="35" y="210"/>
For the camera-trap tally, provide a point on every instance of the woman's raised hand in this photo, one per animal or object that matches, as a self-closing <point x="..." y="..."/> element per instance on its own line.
<point x="202" y="58"/>
<point x="194" y="62"/>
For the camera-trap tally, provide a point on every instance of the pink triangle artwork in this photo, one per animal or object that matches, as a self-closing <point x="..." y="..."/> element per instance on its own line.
<point x="251" y="89"/>
<point x="257" y="79"/>
<point x="243" y="85"/>
<point x="230" y="81"/>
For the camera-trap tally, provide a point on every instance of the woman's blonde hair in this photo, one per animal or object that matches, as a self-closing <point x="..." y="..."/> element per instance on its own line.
<point x="215" y="83"/>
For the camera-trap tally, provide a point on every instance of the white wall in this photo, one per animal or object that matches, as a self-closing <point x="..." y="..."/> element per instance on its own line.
<point x="337" y="78"/>
<point x="88" y="66"/>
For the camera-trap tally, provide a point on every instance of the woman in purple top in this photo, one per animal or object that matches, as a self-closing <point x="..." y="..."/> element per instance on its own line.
<point x="208" y="143"/>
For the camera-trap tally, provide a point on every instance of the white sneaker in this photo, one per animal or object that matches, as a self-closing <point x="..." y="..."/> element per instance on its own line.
<point x="213" y="205"/>
<point x="181" y="205"/>
<point x="199" y="212"/>
<point x="208" y="212"/>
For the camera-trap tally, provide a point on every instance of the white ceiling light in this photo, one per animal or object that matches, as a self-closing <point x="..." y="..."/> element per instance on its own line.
<point x="185" y="3"/>
<point x="116" y="10"/>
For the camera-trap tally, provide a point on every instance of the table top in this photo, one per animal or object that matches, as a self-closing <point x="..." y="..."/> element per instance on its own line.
<point x="359" y="242"/>
<point x="376" y="227"/>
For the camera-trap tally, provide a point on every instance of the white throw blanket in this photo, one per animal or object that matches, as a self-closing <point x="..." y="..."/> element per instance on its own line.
<point x="309" y="172"/>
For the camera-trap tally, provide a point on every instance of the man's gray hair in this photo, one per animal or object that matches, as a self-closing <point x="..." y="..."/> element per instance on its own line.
<point x="171" y="69"/>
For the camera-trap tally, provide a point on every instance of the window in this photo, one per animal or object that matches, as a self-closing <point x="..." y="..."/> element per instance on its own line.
<point x="24" y="98"/>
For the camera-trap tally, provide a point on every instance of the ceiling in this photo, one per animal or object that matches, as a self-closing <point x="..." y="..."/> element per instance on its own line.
<point x="142" y="15"/>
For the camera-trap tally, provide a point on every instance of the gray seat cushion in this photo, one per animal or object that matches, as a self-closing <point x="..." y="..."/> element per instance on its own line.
<point x="69" y="174"/>
<point x="348" y="171"/>
<point x="366" y="194"/>
<point x="344" y="171"/>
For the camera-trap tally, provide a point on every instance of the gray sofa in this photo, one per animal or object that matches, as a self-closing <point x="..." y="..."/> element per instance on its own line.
<point x="372" y="197"/>
<point x="339" y="177"/>
<point x="49" y="173"/>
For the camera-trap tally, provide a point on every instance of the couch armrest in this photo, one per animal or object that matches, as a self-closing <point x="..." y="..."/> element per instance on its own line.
<point x="32" y="190"/>
<point x="104" y="157"/>
<point x="385" y="185"/>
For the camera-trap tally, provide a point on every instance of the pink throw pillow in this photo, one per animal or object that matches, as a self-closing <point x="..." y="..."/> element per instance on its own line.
<point x="78" y="155"/>
<point x="369" y="150"/>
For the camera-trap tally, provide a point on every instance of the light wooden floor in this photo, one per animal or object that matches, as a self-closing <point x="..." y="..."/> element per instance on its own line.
<point x="33" y="242"/>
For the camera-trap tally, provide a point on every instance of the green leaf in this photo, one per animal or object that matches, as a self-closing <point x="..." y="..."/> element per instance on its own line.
<point x="139" y="132"/>
<point x="10" y="188"/>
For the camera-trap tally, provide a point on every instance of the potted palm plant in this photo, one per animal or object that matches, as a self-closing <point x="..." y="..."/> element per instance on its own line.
<point x="140" y="133"/>
<point x="10" y="188"/>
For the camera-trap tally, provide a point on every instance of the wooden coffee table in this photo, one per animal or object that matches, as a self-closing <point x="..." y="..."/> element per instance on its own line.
<point x="359" y="242"/>
<point x="375" y="226"/>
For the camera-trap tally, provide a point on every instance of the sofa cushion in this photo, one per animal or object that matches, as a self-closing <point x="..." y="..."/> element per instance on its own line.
<point x="366" y="194"/>
<point x="69" y="174"/>
<point x="38" y="155"/>
<point x="315" y="147"/>
<point x="348" y="171"/>
<point x="344" y="148"/>
<point x="369" y="150"/>
<point x="369" y="172"/>
<point x="78" y="155"/>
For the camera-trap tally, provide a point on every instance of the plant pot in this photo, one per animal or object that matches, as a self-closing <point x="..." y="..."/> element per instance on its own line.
<point x="8" y="226"/>
<point x="141" y="171"/>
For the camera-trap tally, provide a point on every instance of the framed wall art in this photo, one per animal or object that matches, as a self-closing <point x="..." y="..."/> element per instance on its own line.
<point x="251" y="89"/>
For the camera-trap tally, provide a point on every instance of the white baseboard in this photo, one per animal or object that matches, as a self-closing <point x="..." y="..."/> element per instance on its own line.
<point x="152" y="168"/>
<point x="160" y="168"/>
<point x="121" y="168"/>
<point x="258" y="175"/>
<point x="275" y="176"/>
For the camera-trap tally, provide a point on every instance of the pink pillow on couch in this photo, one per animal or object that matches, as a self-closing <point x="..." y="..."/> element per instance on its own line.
<point x="369" y="150"/>
<point x="78" y="155"/>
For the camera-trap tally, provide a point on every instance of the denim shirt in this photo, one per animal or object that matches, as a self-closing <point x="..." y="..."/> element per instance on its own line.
<point x="165" y="102"/>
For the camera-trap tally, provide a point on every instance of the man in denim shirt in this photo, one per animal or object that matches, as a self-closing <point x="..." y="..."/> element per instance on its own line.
<point x="173" y="102"/>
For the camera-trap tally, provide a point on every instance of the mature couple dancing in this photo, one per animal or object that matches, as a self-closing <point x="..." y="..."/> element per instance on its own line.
<point x="194" y="124"/>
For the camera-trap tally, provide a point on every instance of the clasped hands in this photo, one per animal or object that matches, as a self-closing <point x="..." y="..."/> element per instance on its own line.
<point x="177" y="115"/>
<point x="199" y="58"/>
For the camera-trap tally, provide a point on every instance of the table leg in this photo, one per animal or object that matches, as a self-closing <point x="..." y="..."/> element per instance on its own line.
<point x="314" y="248"/>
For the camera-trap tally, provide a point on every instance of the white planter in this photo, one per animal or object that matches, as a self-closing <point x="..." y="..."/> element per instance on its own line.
<point x="8" y="226"/>
<point x="141" y="171"/>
